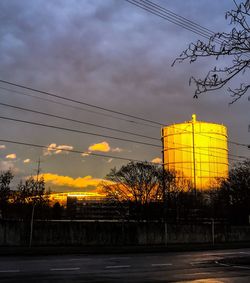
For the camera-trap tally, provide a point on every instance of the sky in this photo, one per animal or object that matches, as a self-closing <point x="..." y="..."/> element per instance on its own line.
<point x="112" y="54"/>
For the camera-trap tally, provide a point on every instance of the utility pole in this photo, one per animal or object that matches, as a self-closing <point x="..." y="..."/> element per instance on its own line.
<point x="38" y="169"/>
<point x="164" y="193"/>
<point x="194" y="163"/>
<point x="163" y="168"/>
<point x="34" y="202"/>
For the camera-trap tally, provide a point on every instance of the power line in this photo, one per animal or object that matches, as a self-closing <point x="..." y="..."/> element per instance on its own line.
<point x="77" y="107"/>
<point x="198" y="170"/>
<point x="206" y="154"/>
<point x="203" y="149"/>
<point x="90" y="105"/>
<point x="173" y="18"/>
<point x="139" y="142"/>
<point x="90" y="154"/>
<point x="204" y="135"/>
<point x="175" y="143"/>
<point x="76" y="121"/>
<point x="76" y="131"/>
<point x="80" y="102"/>
<point x="71" y="150"/>
<point x="192" y="23"/>
<point x="161" y="15"/>
<point x="175" y="148"/>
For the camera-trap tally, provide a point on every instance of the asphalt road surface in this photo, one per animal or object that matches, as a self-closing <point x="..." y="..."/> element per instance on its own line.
<point x="199" y="267"/>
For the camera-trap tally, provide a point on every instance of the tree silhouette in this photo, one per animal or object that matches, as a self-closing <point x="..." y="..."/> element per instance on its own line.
<point x="139" y="185"/>
<point x="29" y="193"/>
<point x="234" y="45"/>
<point x="5" y="192"/>
<point x="235" y="193"/>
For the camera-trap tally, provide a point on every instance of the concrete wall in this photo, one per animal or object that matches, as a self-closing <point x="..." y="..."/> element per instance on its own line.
<point x="70" y="233"/>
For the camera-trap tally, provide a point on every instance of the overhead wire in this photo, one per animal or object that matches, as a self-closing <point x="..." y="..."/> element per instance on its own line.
<point x="76" y="121"/>
<point x="171" y="17"/>
<point x="76" y="107"/>
<point x="61" y="128"/>
<point x="80" y="102"/>
<point x="181" y="18"/>
<point x="174" y="18"/>
<point x="204" y="135"/>
<point x="76" y="131"/>
<point x="89" y="154"/>
<point x="183" y="22"/>
<point x="135" y="117"/>
<point x="200" y="170"/>
<point x="175" y="148"/>
<point x="110" y="110"/>
<point x="112" y="137"/>
<point x="71" y="150"/>
<point x="206" y="154"/>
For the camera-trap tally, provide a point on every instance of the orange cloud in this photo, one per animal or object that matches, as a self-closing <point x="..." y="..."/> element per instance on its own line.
<point x="53" y="148"/>
<point x="102" y="146"/>
<point x="66" y="181"/>
<point x="11" y="156"/>
<point x="157" y="160"/>
<point x="26" y="160"/>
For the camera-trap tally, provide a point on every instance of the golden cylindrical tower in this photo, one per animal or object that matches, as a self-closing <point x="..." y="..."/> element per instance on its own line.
<point x="197" y="151"/>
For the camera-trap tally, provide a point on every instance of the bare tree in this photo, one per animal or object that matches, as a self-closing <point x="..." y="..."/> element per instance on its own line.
<point x="234" y="45"/>
<point x="5" y="192"/>
<point x="31" y="193"/>
<point x="234" y="194"/>
<point x="139" y="184"/>
<point x="237" y="185"/>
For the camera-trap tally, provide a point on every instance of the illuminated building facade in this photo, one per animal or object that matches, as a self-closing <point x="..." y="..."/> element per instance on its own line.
<point x="62" y="198"/>
<point x="85" y="205"/>
<point x="197" y="151"/>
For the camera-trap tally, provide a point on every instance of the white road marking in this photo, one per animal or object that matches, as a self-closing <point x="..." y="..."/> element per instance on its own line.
<point x="10" y="270"/>
<point x="65" y="269"/>
<point x="117" y="266"/>
<point x="221" y="253"/>
<point x="161" y="264"/>
<point x="118" y="258"/>
<point x="196" y="262"/>
<point x="243" y="267"/>
<point x="198" y="273"/>
<point x="222" y="264"/>
<point x="247" y="253"/>
<point x="235" y="266"/>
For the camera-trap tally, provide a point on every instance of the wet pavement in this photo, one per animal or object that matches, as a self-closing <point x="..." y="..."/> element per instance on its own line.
<point x="200" y="267"/>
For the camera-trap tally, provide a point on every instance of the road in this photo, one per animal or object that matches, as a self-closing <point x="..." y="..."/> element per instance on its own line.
<point x="199" y="267"/>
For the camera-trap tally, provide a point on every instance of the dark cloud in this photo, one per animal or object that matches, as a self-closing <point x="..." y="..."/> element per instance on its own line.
<point x="113" y="54"/>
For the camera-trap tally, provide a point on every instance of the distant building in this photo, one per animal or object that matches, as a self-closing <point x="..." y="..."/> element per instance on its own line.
<point x="85" y="205"/>
<point x="87" y="196"/>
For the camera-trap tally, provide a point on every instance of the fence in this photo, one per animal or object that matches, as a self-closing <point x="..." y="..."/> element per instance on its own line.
<point x="117" y="233"/>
